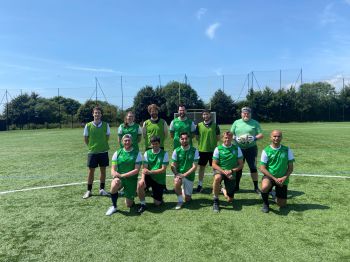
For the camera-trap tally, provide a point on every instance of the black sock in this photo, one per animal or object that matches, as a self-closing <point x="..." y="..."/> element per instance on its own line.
<point x="238" y="178"/>
<point x="114" y="198"/>
<point x="102" y="185"/>
<point x="255" y="184"/>
<point x="89" y="187"/>
<point x="265" y="198"/>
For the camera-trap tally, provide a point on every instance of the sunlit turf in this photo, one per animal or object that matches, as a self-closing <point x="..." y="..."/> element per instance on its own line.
<point x="56" y="224"/>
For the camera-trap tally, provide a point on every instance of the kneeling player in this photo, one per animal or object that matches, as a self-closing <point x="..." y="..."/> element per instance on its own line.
<point x="227" y="160"/>
<point x="153" y="173"/>
<point x="126" y="164"/>
<point x="184" y="165"/>
<point x="276" y="165"/>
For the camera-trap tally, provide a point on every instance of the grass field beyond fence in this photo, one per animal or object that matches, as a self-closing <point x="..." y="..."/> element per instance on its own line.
<point x="56" y="224"/>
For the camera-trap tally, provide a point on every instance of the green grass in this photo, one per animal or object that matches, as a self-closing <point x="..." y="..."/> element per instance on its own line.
<point x="58" y="225"/>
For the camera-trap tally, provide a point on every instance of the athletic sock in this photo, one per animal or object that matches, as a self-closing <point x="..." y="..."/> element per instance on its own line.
<point x="265" y="198"/>
<point x="255" y="184"/>
<point x="114" y="198"/>
<point x="215" y="198"/>
<point x="200" y="183"/>
<point x="238" y="178"/>
<point x="102" y="185"/>
<point x="180" y="199"/>
<point x="89" y="187"/>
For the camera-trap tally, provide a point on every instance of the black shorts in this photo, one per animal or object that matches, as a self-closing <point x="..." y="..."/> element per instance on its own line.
<point x="250" y="155"/>
<point x="229" y="185"/>
<point x="99" y="159"/>
<point x="157" y="189"/>
<point x="281" y="192"/>
<point x="204" y="157"/>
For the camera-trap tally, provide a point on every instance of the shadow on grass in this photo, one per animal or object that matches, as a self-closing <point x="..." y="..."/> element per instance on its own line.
<point x="238" y="204"/>
<point x="293" y="193"/>
<point x="298" y="208"/>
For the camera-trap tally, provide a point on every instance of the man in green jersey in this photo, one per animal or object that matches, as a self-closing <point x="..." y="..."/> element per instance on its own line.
<point x="246" y="132"/>
<point x="184" y="165"/>
<point x="154" y="126"/>
<point x="227" y="161"/>
<point x="130" y="127"/>
<point x="276" y="165"/>
<point x="126" y="163"/>
<point x="155" y="163"/>
<point x="207" y="135"/>
<point x="96" y="135"/>
<point x="180" y="125"/>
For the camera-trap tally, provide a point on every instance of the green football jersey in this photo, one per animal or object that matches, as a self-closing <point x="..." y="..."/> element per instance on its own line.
<point x="207" y="136"/>
<point x="185" y="159"/>
<point x="251" y="127"/>
<point x="126" y="161"/>
<point x="179" y="126"/>
<point x="134" y="130"/>
<point x="227" y="157"/>
<point x="156" y="161"/>
<point x="154" y="128"/>
<point x="276" y="160"/>
<point x="98" y="142"/>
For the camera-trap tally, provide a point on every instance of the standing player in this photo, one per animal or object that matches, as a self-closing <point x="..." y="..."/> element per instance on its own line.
<point x="246" y="132"/>
<point x="184" y="166"/>
<point x="207" y="135"/>
<point x="155" y="163"/>
<point x="130" y="127"/>
<point x="154" y="126"/>
<point x="227" y="161"/>
<point x="276" y="165"/>
<point x="180" y="125"/>
<point x="96" y="135"/>
<point x="126" y="163"/>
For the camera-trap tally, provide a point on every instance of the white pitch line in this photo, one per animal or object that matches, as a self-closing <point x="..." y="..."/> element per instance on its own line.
<point x="80" y="183"/>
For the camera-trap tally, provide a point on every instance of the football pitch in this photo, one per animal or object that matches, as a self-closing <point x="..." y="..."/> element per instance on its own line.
<point x="56" y="224"/>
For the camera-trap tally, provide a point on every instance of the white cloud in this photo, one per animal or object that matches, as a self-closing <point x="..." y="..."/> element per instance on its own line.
<point x="211" y="30"/>
<point x="328" y="16"/>
<point x="201" y="12"/>
<point x="91" y="69"/>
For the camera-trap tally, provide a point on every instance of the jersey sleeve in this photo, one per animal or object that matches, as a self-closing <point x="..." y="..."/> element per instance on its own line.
<point x="233" y="128"/>
<point x="145" y="158"/>
<point x="86" y="130"/>
<point x="264" y="158"/>
<point x="108" y="133"/>
<point x="290" y="155"/>
<point x="216" y="154"/>
<point x="240" y="154"/>
<point x="193" y="127"/>
<point x="174" y="156"/>
<point x="115" y="158"/>
<point x="171" y="127"/>
<point x="196" y="156"/>
<point x="165" y="159"/>
<point x="120" y="130"/>
<point x="138" y="159"/>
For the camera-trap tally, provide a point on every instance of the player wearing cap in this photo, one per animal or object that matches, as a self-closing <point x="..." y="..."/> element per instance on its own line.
<point x="246" y="132"/>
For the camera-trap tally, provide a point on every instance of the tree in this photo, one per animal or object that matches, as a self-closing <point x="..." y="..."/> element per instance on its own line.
<point x="109" y="111"/>
<point x="146" y="96"/>
<point x="224" y="107"/>
<point x="177" y="93"/>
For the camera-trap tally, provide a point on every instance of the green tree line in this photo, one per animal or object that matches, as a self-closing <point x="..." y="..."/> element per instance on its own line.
<point x="310" y="102"/>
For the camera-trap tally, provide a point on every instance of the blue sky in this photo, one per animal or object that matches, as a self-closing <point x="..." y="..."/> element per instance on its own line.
<point x="51" y="44"/>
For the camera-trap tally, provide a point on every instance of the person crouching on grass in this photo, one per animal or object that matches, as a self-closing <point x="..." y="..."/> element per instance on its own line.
<point x="155" y="163"/>
<point x="96" y="135"/>
<point x="126" y="163"/>
<point x="184" y="165"/>
<point x="227" y="160"/>
<point x="276" y="165"/>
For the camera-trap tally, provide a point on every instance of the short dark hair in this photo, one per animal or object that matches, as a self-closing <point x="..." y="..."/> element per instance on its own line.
<point x="97" y="108"/>
<point x="227" y="133"/>
<point x="155" y="139"/>
<point x="183" y="133"/>
<point x="205" y="111"/>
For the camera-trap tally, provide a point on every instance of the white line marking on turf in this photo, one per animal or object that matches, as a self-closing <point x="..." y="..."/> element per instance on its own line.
<point x="80" y="183"/>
